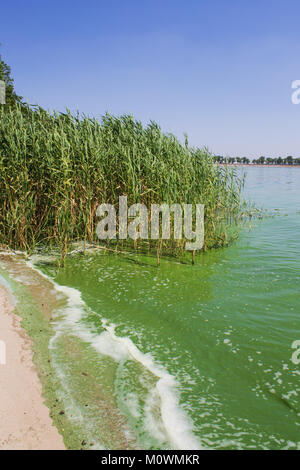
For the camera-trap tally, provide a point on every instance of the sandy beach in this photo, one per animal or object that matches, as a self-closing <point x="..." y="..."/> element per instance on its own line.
<point x="25" y="423"/>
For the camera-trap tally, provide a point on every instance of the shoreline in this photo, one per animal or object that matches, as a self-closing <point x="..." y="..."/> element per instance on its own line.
<point x="254" y="165"/>
<point x="25" y="422"/>
<point x="38" y="304"/>
<point x="80" y="394"/>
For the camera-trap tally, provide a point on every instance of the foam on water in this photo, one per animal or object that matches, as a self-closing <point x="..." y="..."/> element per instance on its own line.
<point x="178" y="428"/>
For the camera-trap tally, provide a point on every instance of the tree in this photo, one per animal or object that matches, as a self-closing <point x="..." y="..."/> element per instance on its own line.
<point x="11" y="97"/>
<point x="219" y="158"/>
<point x="289" y="160"/>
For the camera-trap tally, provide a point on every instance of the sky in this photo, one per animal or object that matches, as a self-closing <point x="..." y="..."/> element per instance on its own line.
<point x="219" y="70"/>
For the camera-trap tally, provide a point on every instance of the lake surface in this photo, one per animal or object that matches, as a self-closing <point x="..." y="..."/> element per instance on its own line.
<point x="193" y="356"/>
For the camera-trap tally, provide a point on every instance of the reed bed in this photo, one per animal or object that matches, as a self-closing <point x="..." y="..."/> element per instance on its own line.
<point x="56" y="168"/>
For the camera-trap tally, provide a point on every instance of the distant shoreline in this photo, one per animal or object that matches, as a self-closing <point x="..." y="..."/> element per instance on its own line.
<point x="258" y="166"/>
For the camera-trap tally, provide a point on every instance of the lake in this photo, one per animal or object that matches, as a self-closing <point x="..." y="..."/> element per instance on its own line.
<point x="187" y="357"/>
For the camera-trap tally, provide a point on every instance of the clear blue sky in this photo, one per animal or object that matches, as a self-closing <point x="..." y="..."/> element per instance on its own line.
<point x="219" y="70"/>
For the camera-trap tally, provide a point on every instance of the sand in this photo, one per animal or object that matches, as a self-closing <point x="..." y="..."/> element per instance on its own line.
<point x="25" y="423"/>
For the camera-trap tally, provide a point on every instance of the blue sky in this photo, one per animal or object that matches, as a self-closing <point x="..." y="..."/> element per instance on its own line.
<point x="219" y="70"/>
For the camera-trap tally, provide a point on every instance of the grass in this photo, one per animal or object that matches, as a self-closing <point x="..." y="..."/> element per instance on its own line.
<point x="55" y="169"/>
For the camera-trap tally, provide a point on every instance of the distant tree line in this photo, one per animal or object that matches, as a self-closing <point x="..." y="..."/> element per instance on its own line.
<point x="260" y="161"/>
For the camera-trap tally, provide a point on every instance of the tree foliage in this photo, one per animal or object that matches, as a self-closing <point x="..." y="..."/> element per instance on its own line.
<point x="5" y="75"/>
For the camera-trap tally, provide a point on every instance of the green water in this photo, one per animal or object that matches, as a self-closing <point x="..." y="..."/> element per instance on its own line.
<point x="212" y="365"/>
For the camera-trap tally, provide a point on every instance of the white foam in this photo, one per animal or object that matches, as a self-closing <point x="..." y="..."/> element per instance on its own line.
<point x="178" y="427"/>
<point x="154" y="425"/>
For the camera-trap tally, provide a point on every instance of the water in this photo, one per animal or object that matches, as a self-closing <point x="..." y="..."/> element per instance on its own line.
<point x="193" y="356"/>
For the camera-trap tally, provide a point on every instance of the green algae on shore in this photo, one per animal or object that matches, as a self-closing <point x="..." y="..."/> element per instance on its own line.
<point x="37" y="303"/>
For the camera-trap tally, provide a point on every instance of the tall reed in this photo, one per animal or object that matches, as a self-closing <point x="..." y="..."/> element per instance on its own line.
<point x="55" y="169"/>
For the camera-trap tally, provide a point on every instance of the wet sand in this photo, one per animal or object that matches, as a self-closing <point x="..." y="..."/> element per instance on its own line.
<point x="25" y="423"/>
